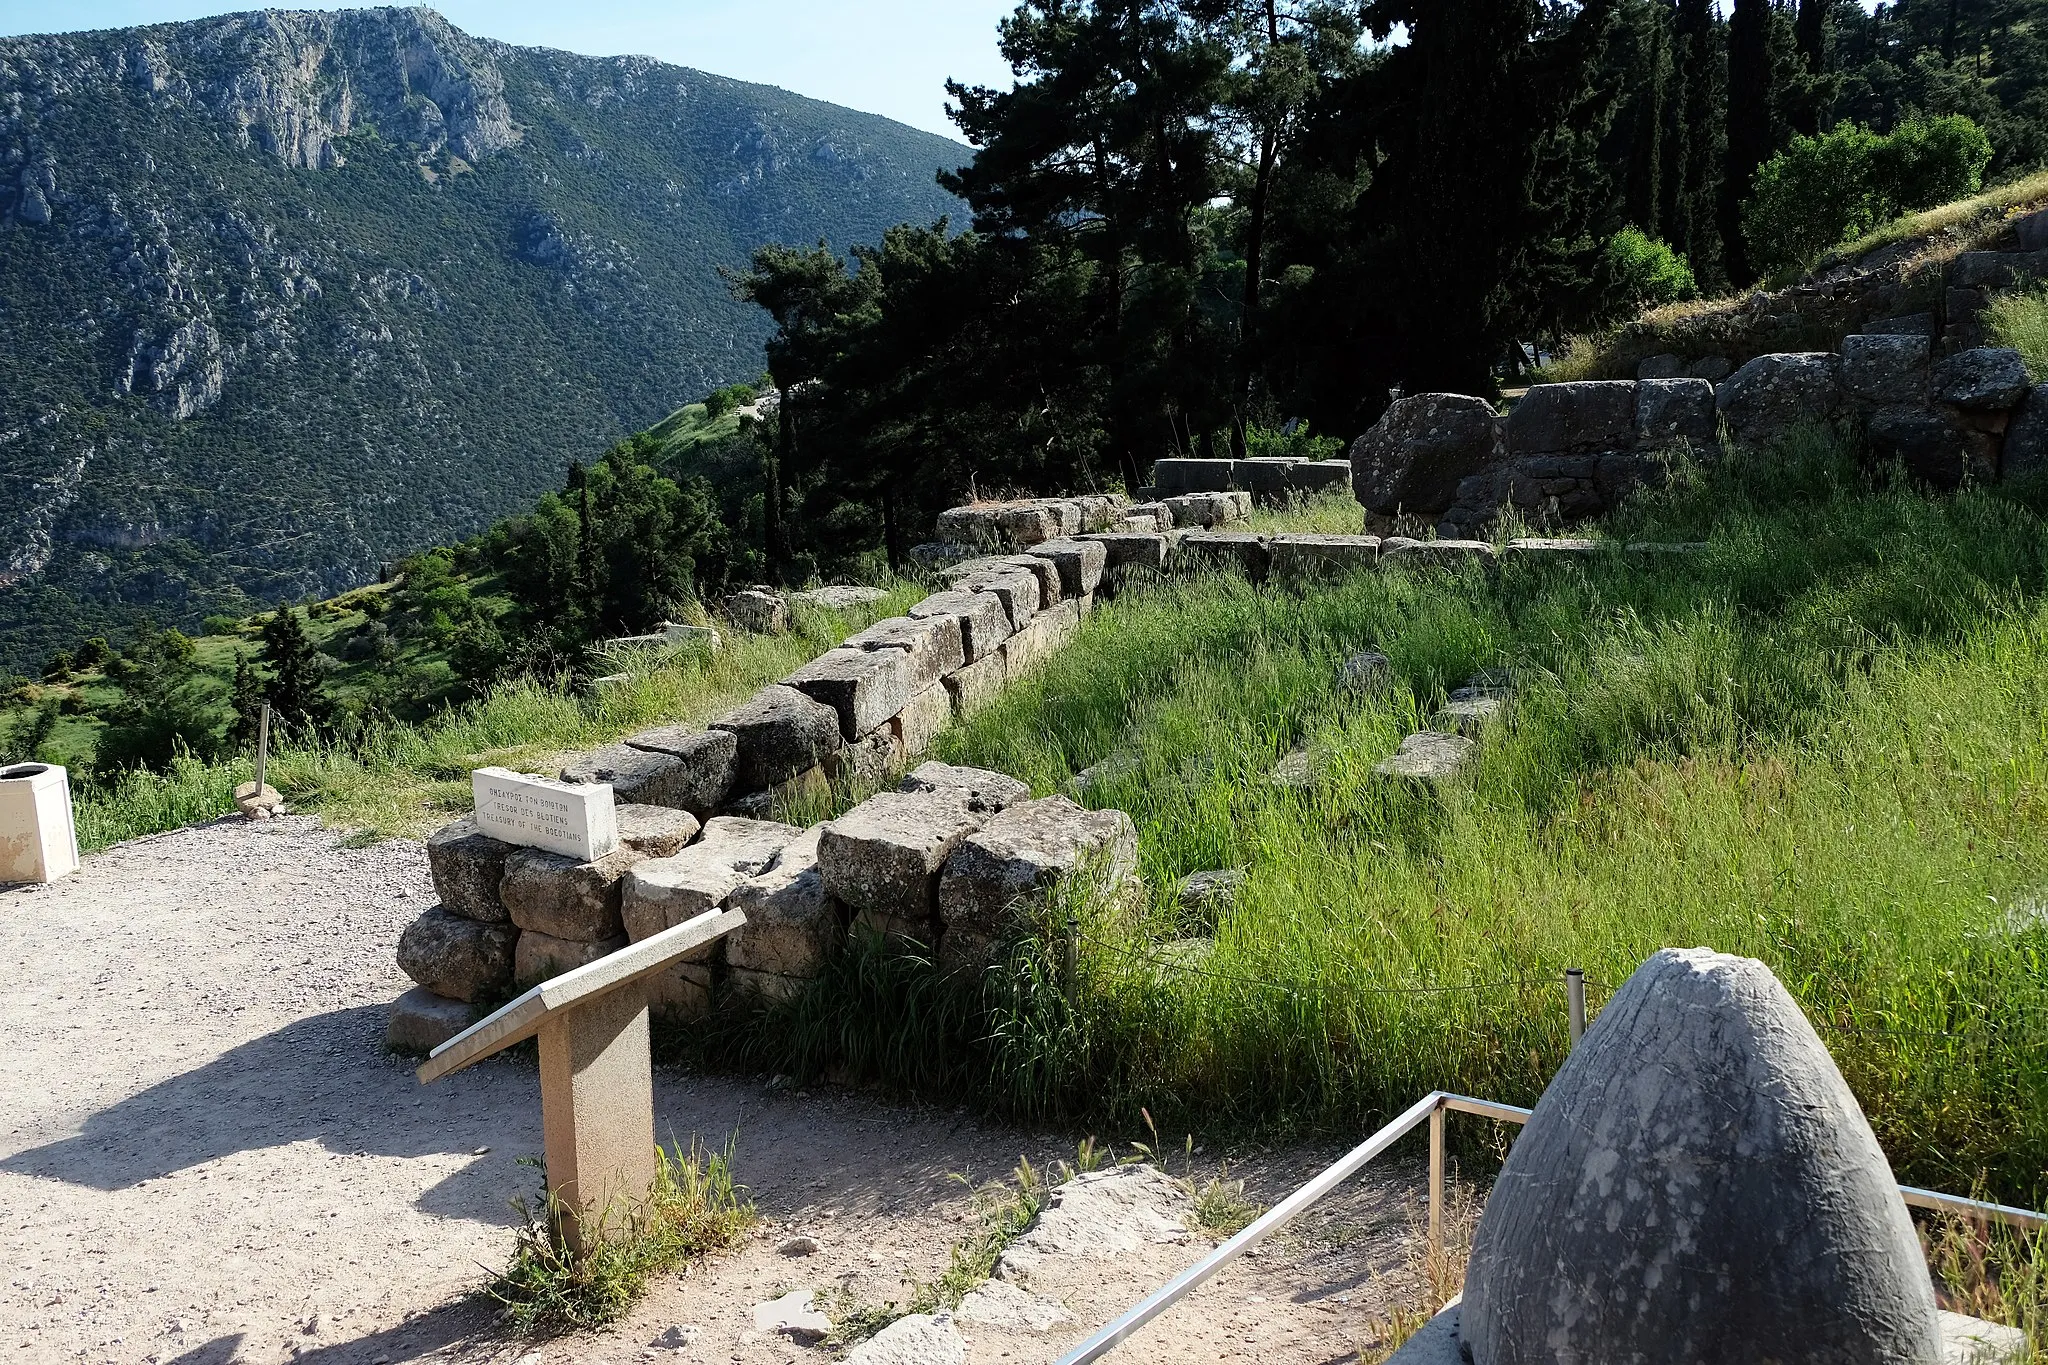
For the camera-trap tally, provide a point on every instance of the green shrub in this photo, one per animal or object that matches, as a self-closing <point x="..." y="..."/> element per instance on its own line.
<point x="1822" y="191"/>
<point x="1293" y="441"/>
<point x="1641" y="272"/>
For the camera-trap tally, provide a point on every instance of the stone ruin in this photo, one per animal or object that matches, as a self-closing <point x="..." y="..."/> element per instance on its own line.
<point x="1698" y="1186"/>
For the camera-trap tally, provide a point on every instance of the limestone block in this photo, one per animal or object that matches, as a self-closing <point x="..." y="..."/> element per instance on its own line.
<point x="1774" y="393"/>
<point x="664" y="892"/>
<point x="1208" y="509"/>
<point x="1987" y="378"/>
<point x="1366" y="674"/>
<point x="1205" y="895"/>
<point x="978" y="684"/>
<point x="778" y="734"/>
<point x="1025" y="851"/>
<point x="1660" y="367"/>
<point x="1932" y="448"/>
<point x="932" y="644"/>
<point x="982" y="791"/>
<point x="920" y="1339"/>
<point x="1908" y="324"/>
<point x="1237" y="550"/>
<point x="839" y="597"/>
<point x="770" y="988"/>
<point x="1551" y="547"/>
<point x="1311" y="477"/>
<point x="656" y="831"/>
<point x="984" y="624"/>
<point x="421" y="1021"/>
<point x="1701" y="1106"/>
<point x="760" y="610"/>
<point x="923" y="719"/>
<point x="467" y="867"/>
<point x="640" y="776"/>
<point x="1135" y="549"/>
<point x="1079" y="562"/>
<point x="1047" y="634"/>
<point x="1017" y="524"/>
<point x="1422" y="446"/>
<point x="1157" y="514"/>
<point x="1173" y="476"/>
<point x="1045" y="571"/>
<point x="865" y="686"/>
<point x="1428" y="757"/>
<point x="1310" y="555"/>
<point x="553" y="894"/>
<point x="751" y="846"/>
<point x="1265" y="477"/>
<point x="1995" y="269"/>
<point x="869" y="761"/>
<point x="542" y="957"/>
<point x="681" y="993"/>
<point x="1577" y="418"/>
<point x="709" y="757"/>
<point x="1401" y="550"/>
<point x="456" y="957"/>
<point x="1886" y="369"/>
<point x="885" y="854"/>
<point x="1712" y="368"/>
<point x="2026" y="441"/>
<point x="1099" y="511"/>
<point x="1470" y="715"/>
<point x="1019" y="590"/>
<point x="811" y="785"/>
<point x="793" y="923"/>
<point x="1673" y="412"/>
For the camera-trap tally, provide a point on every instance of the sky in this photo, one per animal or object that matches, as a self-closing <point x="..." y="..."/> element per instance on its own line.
<point x="889" y="57"/>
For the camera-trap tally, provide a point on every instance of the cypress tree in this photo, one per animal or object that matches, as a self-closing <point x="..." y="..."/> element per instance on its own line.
<point x="296" y="694"/>
<point x="247" y="700"/>
<point x="1749" y="124"/>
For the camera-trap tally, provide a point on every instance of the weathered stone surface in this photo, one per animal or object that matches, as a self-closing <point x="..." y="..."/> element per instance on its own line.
<point x="1698" y="1185"/>
<point x="1044" y="570"/>
<point x="1774" y="393"/>
<point x="1553" y="546"/>
<point x="923" y="719"/>
<point x="1907" y="324"/>
<point x="1577" y="418"/>
<point x="1660" y="367"/>
<point x="682" y="993"/>
<point x="1006" y="524"/>
<point x="751" y="846"/>
<point x="1238" y="550"/>
<point x="779" y="733"/>
<point x="1932" y="448"/>
<point x="1996" y="269"/>
<point x="421" y="1021"/>
<point x="544" y="812"/>
<point x="1712" y="368"/>
<point x="1133" y="549"/>
<point x="793" y="923"/>
<point x="1156" y="515"/>
<point x="1295" y="771"/>
<point x="885" y="854"/>
<point x="1308" y="554"/>
<point x="794" y="1316"/>
<point x="869" y="761"/>
<point x="984" y="623"/>
<point x="467" y="867"/>
<point x="542" y="957"/>
<point x="641" y="776"/>
<point x="1025" y="851"/>
<point x="1175" y="476"/>
<point x="1675" y="411"/>
<point x="1428" y="757"/>
<point x="1987" y="378"/>
<point x="809" y="786"/>
<point x="932" y="643"/>
<point x="981" y="791"/>
<point x="456" y="957"/>
<point x="1310" y="477"/>
<point x="839" y="597"/>
<point x="664" y="892"/>
<point x="920" y="1339"/>
<point x="865" y="686"/>
<point x="1265" y="477"/>
<point x="1208" y="509"/>
<point x="656" y="831"/>
<point x="1020" y="593"/>
<point x="1047" y="634"/>
<point x="1401" y="550"/>
<point x="1368" y="673"/>
<point x="1886" y="369"/>
<point x="1006" y="1307"/>
<point x="553" y="894"/>
<point x="1471" y="714"/>
<point x="1098" y="1217"/>
<point x="2024" y="456"/>
<point x="766" y="987"/>
<point x="760" y="610"/>
<point x="710" y="760"/>
<point x="1080" y="563"/>
<point x="1208" y="894"/>
<point x="978" y="684"/>
<point x="1414" y="456"/>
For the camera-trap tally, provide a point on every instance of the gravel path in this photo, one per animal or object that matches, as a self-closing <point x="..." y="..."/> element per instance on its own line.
<point x="206" y="1157"/>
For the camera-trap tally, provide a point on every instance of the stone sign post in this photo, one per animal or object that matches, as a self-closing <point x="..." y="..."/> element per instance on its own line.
<point x="575" y="819"/>
<point x="596" y="1076"/>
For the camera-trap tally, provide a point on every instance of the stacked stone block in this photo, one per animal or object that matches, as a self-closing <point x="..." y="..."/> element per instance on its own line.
<point x="1268" y="479"/>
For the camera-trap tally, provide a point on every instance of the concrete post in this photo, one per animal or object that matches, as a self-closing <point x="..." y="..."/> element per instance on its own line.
<point x="597" y="1113"/>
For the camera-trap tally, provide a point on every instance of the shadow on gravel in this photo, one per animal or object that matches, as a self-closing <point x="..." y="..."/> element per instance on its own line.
<point x="325" y="1078"/>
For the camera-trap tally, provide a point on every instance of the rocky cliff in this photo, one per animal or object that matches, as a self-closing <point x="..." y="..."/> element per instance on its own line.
<point x="287" y="294"/>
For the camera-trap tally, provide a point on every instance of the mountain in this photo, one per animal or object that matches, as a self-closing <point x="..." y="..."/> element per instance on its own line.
<point x="285" y="295"/>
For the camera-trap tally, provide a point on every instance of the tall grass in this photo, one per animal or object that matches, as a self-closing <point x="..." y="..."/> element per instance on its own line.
<point x="406" y="779"/>
<point x="2020" y="320"/>
<point x="1822" y="742"/>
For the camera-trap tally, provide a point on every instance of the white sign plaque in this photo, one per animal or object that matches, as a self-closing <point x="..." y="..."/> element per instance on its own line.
<point x="575" y="819"/>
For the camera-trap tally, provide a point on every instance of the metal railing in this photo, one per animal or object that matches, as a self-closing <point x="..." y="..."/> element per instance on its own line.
<point x="1431" y="1107"/>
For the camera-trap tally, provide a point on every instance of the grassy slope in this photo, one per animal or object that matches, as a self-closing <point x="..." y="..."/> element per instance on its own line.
<point x="1824" y="742"/>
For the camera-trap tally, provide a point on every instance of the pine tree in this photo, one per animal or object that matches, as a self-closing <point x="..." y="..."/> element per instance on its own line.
<point x="296" y="695"/>
<point x="246" y="698"/>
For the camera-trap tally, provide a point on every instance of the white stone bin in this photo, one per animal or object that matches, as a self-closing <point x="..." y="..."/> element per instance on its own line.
<point x="38" y="840"/>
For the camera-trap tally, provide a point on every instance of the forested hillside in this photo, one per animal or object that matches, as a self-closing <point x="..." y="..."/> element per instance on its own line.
<point x="289" y="295"/>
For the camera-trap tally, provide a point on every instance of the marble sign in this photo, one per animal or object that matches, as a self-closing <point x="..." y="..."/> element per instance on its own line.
<point x="539" y="812"/>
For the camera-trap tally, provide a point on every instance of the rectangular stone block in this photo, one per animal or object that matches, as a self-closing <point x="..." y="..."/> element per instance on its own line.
<point x="933" y="644"/>
<point x="1020" y="592"/>
<point x="869" y="761"/>
<point x="710" y="757"/>
<point x="1320" y="476"/>
<point x="542" y="957"/>
<point x="639" y="776"/>
<point x="865" y="686"/>
<point x="656" y="831"/>
<point x="664" y="892"/>
<point x="794" y="925"/>
<point x="999" y="524"/>
<point x="978" y="684"/>
<point x="1039" y="641"/>
<point x="421" y="1021"/>
<point x="885" y="854"/>
<point x="1886" y="368"/>
<point x="984" y="623"/>
<point x="1023" y="853"/>
<point x="752" y="846"/>
<point x="1554" y="545"/>
<point x="779" y="734"/>
<point x="811" y="786"/>
<point x="1080" y="564"/>
<point x="1309" y="555"/>
<point x="1133" y="549"/>
<point x="681" y="993"/>
<point x="467" y="866"/>
<point x="1182" y="475"/>
<point x="1237" y="550"/>
<point x="923" y="718"/>
<point x="1208" y="509"/>
<point x="1099" y="511"/>
<point x="1154" y="514"/>
<point x="1672" y="412"/>
<point x="540" y="812"/>
<point x="770" y="988"/>
<point x="984" y="792"/>
<point x="455" y="957"/>
<point x="1266" y="478"/>
<point x="1402" y="550"/>
<point x="1586" y="415"/>
<point x="557" y="895"/>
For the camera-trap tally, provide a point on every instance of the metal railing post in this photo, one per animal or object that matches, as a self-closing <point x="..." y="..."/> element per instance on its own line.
<point x="1436" y="1190"/>
<point x="1575" y="1000"/>
<point x="262" y="749"/>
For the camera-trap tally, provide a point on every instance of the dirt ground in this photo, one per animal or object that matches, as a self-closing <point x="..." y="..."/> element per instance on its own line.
<point x="206" y="1156"/>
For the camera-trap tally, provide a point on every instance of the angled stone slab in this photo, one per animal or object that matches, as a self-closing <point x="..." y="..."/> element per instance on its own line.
<point x="540" y="812"/>
<point x="932" y="644"/>
<point x="865" y="686"/>
<point x="1306" y="554"/>
<point x="984" y="622"/>
<point x="597" y="1085"/>
<point x="779" y="734"/>
<point x="638" y="775"/>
